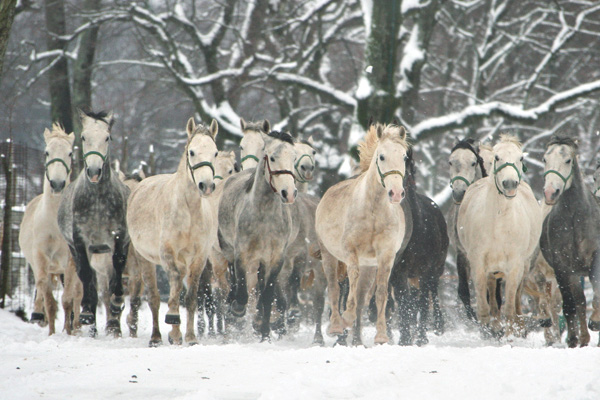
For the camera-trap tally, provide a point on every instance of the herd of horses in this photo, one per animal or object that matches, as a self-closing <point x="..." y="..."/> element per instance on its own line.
<point x="255" y="241"/>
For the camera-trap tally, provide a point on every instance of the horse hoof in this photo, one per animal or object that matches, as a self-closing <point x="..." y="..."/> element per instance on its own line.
<point x="238" y="310"/>
<point x="341" y="341"/>
<point x="422" y="341"/>
<point x="155" y="343"/>
<point x="36" y="316"/>
<point x="172" y="319"/>
<point x="405" y="340"/>
<point x="265" y="338"/>
<point x="177" y="341"/>
<point x="86" y="318"/>
<point x="318" y="340"/>
<point x="93" y="332"/>
<point x="572" y="342"/>
<point x="594" y="325"/>
<point x="546" y="322"/>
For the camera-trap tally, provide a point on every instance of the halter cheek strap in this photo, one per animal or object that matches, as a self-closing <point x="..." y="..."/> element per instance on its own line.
<point x="496" y="170"/>
<point x="249" y="156"/>
<point x="300" y="179"/>
<point x="60" y="160"/>
<point x="276" y="172"/>
<point x="383" y="176"/>
<point x="565" y="180"/>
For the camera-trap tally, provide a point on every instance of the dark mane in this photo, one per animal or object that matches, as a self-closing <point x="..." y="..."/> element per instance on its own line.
<point x="284" y="136"/>
<point x="467" y="144"/>
<point x="100" y="116"/>
<point x="560" y="139"/>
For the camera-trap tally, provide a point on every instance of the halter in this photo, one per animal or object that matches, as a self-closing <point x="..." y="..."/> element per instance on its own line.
<point x="553" y="171"/>
<point x="301" y="180"/>
<point x="252" y="156"/>
<point x="218" y="177"/>
<point x="200" y="165"/>
<point x="507" y="164"/>
<point x="383" y="176"/>
<point x="97" y="153"/>
<point x="479" y="162"/>
<point x="276" y="172"/>
<point x="60" y="160"/>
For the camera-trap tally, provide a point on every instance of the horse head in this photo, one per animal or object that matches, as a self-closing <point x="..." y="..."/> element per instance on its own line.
<point x="279" y="159"/>
<point x="201" y="153"/>
<point x="58" y="152"/>
<point x="559" y="165"/>
<point x="508" y="166"/>
<point x="95" y="138"/>
<point x="385" y="149"/>
<point x="465" y="164"/>
<point x="304" y="167"/>
<point x="253" y="143"/>
<point x="225" y="166"/>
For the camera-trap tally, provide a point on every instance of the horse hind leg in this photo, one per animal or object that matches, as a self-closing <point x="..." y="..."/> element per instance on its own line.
<point x="149" y="276"/>
<point x="462" y="266"/>
<point x="135" y="300"/>
<point x="191" y="299"/>
<point x="580" y="306"/>
<point x="330" y="269"/>
<point x="318" y="289"/>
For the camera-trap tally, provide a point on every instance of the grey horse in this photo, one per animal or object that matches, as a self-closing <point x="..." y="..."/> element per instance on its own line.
<point x="91" y="217"/>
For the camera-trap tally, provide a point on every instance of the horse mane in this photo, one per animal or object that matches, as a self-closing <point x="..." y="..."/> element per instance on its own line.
<point x="283" y="136"/>
<point x="58" y="131"/>
<point x="508" y="138"/>
<point x="467" y="144"/>
<point x="100" y="116"/>
<point x="563" y="139"/>
<point x="486" y="147"/>
<point x="366" y="148"/>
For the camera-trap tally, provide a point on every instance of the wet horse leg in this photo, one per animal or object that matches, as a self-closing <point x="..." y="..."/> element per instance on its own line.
<point x="366" y="281"/>
<point x="349" y="315"/>
<point x="513" y="281"/>
<point x="191" y="300"/>
<point x="149" y="276"/>
<point x="240" y="289"/>
<point x="86" y="274"/>
<point x="135" y="290"/>
<point x="462" y="266"/>
<point x="71" y="298"/>
<point x="384" y="268"/>
<point x="566" y="284"/>
<point x="594" y="323"/>
<point x="580" y="306"/>
<point x="318" y="289"/>
<point x="117" y="294"/>
<point x="401" y="292"/>
<point x="266" y="298"/>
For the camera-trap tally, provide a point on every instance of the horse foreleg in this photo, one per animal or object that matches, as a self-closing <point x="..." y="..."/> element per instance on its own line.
<point x="43" y="284"/>
<point x="483" y="308"/>
<point x="240" y="289"/>
<point x="266" y="299"/>
<point x="580" y="306"/>
<point x="318" y="290"/>
<point x="149" y="276"/>
<point x="349" y="315"/>
<point x="566" y="285"/>
<point x="366" y="282"/>
<point x="594" y="323"/>
<point x="191" y="299"/>
<point x="382" y="278"/>
<point x="86" y="274"/>
<point x="330" y="268"/>
<point x="117" y="294"/>
<point x="510" y="310"/>
<point x="462" y="267"/>
<point x="135" y="289"/>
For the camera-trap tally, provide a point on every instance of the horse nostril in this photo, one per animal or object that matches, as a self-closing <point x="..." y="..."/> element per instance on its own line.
<point x="312" y="167"/>
<point x="303" y="168"/>
<point x="284" y="193"/>
<point x="57" y="186"/>
<point x="390" y="193"/>
<point x="295" y="192"/>
<point x="213" y="187"/>
<point x="201" y="186"/>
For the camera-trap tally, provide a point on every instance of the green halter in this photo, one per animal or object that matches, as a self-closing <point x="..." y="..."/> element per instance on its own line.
<point x="218" y="177"/>
<point x="300" y="179"/>
<point x="553" y="171"/>
<point x="460" y="178"/>
<point x="97" y="153"/>
<point x="252" y="156"/>
<point x="60" y="160"/>
<point x="383" y="176"/>
<point x="200" y="165"/>
<point x="496" y="170"/>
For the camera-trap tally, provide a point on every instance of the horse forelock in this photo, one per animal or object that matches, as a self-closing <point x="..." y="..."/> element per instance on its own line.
<point x="367" y="147"/>
<point x="100" y="116"/>
<point x="560" y="140"/>
<point x="255" y="126"/>
<point x="512" y="139"/>
<point x="467" y="144"/>
<point x="58" y="132"/>
<point x="283" y="136"/>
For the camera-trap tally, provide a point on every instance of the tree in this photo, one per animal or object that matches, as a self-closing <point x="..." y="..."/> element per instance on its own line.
<point x="7" y="14"/>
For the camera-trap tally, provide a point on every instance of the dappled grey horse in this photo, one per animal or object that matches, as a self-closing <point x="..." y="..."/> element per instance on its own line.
<point x="91" y="217"/>
<point x="570" y="240"/>
<point x="255" y="226"/>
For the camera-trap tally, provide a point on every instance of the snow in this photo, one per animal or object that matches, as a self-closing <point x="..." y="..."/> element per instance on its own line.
<point x="367" y="9"/>
<point x="457" y="365"/>
<point x="364" y="88"/>
<point x="411" y="55"/>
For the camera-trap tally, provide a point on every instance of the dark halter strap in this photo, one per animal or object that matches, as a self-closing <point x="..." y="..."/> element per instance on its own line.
<point x="382" y="176"/>
<point x="96" y="153"/>
<point x="251" y="156"/>
<point x="276" y="172"/>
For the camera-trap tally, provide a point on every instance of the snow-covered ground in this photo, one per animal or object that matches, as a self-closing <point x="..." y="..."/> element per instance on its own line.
<point x="457" y="365"/>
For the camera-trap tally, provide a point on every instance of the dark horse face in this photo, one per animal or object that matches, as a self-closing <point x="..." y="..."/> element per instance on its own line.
<point x="559" y="161"/>
<point x="95" y="138"/>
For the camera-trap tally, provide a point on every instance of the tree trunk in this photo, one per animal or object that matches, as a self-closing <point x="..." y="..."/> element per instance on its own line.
<point x="82" y="76"/>
<point x="380" y="60"/>
<point x="60" y="93"/>
<point x="6" y="226"/>
<point x="7" y="15"/>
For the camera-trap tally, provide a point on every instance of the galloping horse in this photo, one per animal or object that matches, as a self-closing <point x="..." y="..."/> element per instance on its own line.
<point x="423" y="258"/>
<point x="255" y="226"/>
<point x="499" y="225"/>
<point x="570" y="239"/>
<point x="91" y="218"/>
<point x="40" y="239"/>
<point x="468" y="163"/>
<point x="171" y="223"/>
<point x="361" y="223"/>
<point x="252" y="143"/>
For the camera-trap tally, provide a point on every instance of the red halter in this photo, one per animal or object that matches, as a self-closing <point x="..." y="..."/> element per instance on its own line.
<point x="277" y="172"/>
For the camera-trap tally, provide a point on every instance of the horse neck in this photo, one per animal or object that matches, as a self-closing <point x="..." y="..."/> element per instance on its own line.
<point x="302" y="187"/>
<point x="181" y="176"/>
<point x="50" y="199"/>
<point x="371" y="185"/>
<point x="578" y="189"/>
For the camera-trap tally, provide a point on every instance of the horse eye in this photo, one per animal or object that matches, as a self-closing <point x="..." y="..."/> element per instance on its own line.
<point x="216" y="154"/>
<point x="192" y="154"/>
<point x="568" y="161"/>
<point x="450" y="162"/>
<point x="521" y="159"/>
<point x="47" y="154"/>
<point x="497" y="158"/>
<point x="405" y="157"/>
<point x="273" y="159"/>
<point x="230" y="171"/>
<point x="241" y="148"/>
<point x="473" y="164"/>
<point x="70" y="154"/>
<point x="544" y="159"/>
<point x="382" y="158"/>
<point x="108" y="137"/>
<point x="83" y="138"/>
<point x="314" y="152"/>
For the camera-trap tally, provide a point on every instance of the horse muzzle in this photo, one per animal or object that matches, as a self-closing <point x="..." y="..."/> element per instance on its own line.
<point x="551" y="196"/>
<point x="396" y="196"/>
<point x="206" y="189"/>
<point x="509" y="188"/>
<point x="458" y="196"/>
<point x="93" y="174"/>
<point x="57" y="186"/>
<point x="288" y="197"/>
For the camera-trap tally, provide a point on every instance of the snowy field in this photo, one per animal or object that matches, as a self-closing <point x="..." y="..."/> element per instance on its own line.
<point x="457" y="365"/>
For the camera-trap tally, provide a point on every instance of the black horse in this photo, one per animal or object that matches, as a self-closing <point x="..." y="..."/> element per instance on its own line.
<point x="91" y="218"/>
<point x="423" y="258"/>
<point x="570" y="239"/>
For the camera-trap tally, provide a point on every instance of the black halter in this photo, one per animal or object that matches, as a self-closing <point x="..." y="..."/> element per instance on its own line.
<point x="276" y="172"/>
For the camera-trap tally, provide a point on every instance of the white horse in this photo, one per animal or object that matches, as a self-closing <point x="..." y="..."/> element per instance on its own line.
<point x="44" y="247"/>
<point x="171" y="222"/>
<point x="360" y="222"/>
<point x="499" y="226"/>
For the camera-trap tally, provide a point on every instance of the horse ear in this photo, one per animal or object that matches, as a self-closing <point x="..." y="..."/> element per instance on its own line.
<point x="46" y="134"/>
<point x="311" y="141"/>
<point x="379" y="130"/>
<point x="232" y="155"/>
<point x="214" y="128"/>
<point x="190" y="127"/>
<point x="243" y="124"/>
<point x="236" y="167"/>
<point x="70" y="137"/>
<point x="395" y="121"/>
<point x="402" y="132"/>
<point x="370" y="121"/>
<point x="266" y="126"/>
<point x="110" y="118"/>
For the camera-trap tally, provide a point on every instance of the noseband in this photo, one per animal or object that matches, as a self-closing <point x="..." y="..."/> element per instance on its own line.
<point x="94" y="153"/>
<point x="300" y="179"/>
<point x="383" y="176"/>
<point x="60" y="160"/>
<point x="565" y="180"/>
<point x="276" y="172"/>
<point x="507" y="164"/>
<point x="200" y="165"/>
<point x="251" y="156"/>
<point x="479" y="162"/>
